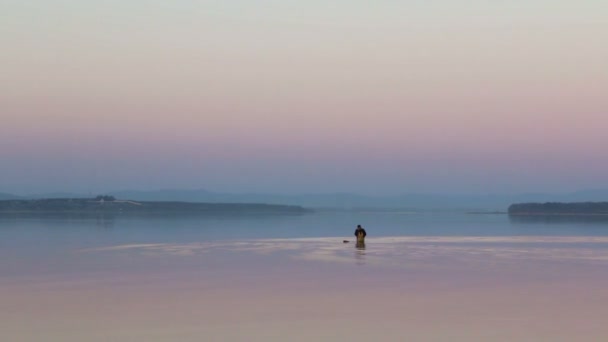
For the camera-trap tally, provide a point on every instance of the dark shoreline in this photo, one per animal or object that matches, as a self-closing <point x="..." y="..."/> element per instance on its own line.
<point x="86" y="206"/>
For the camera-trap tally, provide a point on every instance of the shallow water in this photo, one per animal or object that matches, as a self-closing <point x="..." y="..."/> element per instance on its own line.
<point x="422" y="277"/>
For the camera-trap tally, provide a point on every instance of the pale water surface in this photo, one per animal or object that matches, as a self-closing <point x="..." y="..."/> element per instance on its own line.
<point x="420" y="277"/>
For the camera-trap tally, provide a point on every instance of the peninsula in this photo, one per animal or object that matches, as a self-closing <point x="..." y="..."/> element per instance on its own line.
<point x="111" y="205"/>
<point x="555" y="208"/>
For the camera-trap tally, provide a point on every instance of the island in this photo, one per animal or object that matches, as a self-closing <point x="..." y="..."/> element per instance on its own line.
<point x="111" y="205"/>
<point x="556" y="208"/>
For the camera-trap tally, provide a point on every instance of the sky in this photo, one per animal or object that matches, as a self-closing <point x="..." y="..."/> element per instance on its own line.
<point x="284" y="96"/>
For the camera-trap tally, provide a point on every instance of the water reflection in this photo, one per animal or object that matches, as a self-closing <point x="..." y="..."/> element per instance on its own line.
<point x="360" y="253"/>
<point x="559" y="219"/>
<point x="360" y="245"/>
<point x="104" y="222"/>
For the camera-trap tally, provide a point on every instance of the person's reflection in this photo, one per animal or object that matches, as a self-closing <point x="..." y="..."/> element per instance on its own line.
<point x="104" y="222"/>
<point x="360" y="253"/>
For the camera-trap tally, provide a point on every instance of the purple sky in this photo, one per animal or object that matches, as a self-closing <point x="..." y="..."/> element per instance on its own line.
<point x="294" y="96"/>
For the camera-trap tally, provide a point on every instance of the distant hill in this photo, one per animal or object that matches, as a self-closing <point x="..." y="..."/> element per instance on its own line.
<point x="329" y="200"/>
<point x="198" y="195"/>
<point x="355" y="201"/>
<point x="110" y="205"/>
<point x="5" y="196"/>
<point x="350" y="201"/>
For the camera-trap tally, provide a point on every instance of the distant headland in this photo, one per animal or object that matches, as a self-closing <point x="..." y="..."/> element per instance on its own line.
<point x="111" y="205"/>
<point x="556" y="208"/>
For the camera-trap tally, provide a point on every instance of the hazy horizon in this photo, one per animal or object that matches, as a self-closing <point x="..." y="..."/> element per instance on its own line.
<point x="421" y="121"/>
<point x="291" y="97"/>
<point x="304" y="193"/>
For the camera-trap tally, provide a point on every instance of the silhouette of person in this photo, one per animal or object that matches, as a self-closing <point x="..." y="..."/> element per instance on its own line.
<point x="360" y="233"/>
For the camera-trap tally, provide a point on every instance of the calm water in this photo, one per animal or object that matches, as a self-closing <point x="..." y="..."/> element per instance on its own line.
<point x="47" y="244"/>
<point x="421" y="276"/>
<point x="62" y="232"/>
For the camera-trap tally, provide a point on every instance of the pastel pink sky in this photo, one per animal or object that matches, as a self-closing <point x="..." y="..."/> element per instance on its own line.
<point x="294" y="96"/>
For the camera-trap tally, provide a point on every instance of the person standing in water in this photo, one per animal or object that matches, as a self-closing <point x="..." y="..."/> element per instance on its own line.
<point x="360" y="234"/>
